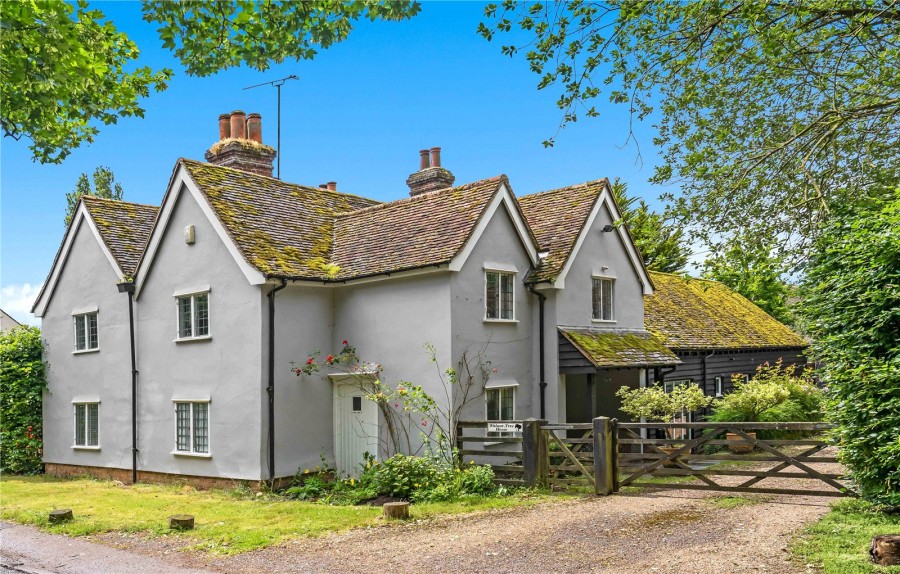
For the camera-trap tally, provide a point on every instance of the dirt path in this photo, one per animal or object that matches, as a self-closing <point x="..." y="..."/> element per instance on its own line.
<point x="668" y="531"/>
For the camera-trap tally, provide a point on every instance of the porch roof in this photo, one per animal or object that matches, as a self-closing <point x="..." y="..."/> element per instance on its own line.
<point x="619" y="348"/>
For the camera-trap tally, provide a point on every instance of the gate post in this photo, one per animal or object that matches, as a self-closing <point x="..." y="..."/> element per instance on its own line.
<point x="534" y="453"/>
<point x="604" y="456"/>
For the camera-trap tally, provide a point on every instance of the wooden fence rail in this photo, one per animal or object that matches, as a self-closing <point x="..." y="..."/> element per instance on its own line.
<point x="608" y="455"/>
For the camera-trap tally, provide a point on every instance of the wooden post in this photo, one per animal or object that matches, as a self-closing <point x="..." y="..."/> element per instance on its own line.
<point x="396" y="510"/>
<point x="534" y="453"/>
<point x="181" y="522"/>
<point x="885" y="550"/>
<point x="61" y="515"/>
<point x="604" y="457"/>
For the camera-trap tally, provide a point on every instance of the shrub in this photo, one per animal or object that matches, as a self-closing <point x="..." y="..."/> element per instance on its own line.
<point x="655" y="404"/>
<point x="851" y="308"/>
<point x="774" y="394"/>
<point x="402" y="475"/>
<point x="22" y="382"/>
<point x="477" y="479"/>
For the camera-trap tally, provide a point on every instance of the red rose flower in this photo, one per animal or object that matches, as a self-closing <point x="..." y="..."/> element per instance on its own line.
<point x="345" y="342"/>
<point x="309" y="361"/>
<point x="329" y="359"/>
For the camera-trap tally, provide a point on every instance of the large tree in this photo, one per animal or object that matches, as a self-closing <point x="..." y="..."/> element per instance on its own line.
<point x="769" y="112"/>
<point x="750" y="269"/>
<point x="662" y="244"/>
<point x="105" y="185"/>
<point x="65" y="68"/>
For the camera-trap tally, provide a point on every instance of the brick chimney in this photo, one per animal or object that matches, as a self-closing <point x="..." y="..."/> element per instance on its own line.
<point x="240" y="144"/>
<point x="431" y="175"/>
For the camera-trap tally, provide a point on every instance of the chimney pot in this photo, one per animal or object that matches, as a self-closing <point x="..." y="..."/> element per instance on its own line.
<point x="332" y="186"/>
<point x="435" y="157"/>
<point x="238" y="125"/>
<point x="431" y="176"/>
<point x="423" y="160"/>
<point x="224" y="126"/>
<point x="254" y="128"/>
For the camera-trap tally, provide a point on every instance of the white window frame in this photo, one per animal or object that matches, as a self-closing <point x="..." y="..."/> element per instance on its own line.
<point x="612" y="299"/>
<point x="500" y="273"/>
<point x="193" y="297"/>
<point x="83" y="319"/>
<point x="85" y="439"/>
<point x="719" y="381"/>
<point x="191" y="451"/>
<point x="499" y="389"/>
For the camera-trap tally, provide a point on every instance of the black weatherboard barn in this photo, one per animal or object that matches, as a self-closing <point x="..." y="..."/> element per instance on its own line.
<point x="715" y="332"/>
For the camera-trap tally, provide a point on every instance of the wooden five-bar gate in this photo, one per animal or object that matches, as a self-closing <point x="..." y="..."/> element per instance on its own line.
<point x="608" y="455"/>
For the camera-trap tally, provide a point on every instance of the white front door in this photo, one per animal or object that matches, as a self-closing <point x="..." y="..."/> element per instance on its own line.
<point x="355" y="428"/>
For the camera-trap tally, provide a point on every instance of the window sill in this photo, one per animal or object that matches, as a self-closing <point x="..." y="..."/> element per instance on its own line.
<point x="85" y="351"/>
<point x="84" y="447"/>
<point x="193" y="339"/>
<point x="191" y="454"/>
<point x="603" y="320"/>
<point x="501" y="321"/>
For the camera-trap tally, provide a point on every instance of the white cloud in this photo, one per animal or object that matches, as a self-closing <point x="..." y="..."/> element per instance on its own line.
<point x="17" y="300"/>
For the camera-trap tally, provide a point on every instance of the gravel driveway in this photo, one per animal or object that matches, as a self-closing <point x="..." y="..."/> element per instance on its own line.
<point x="666" y="531"/>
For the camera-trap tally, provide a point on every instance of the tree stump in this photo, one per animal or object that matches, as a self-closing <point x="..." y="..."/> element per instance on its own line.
<point x="396" y="510"/>
<point x="61" y="515"/>
<point x="885" y="550"/>
<point x="181" y="522"/>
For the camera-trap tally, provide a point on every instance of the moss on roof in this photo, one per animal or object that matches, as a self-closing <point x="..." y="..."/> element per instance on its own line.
<point x="699" y="314"/>
<point x="557" y="217"/>
<point x="281" y="229"/>
<point x="605" y="348"/>
<point x="124" y="227"/>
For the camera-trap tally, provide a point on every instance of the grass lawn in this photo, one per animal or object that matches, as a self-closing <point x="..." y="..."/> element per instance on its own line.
<point x="839" y="542"/>
<point x="226" y="521"/>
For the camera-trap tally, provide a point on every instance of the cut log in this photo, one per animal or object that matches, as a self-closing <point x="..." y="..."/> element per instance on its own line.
<point x="61" y="515"/>
<point x="396" y="510"/>
<point x="885" y="550"/>
<point x="181" y="522"/>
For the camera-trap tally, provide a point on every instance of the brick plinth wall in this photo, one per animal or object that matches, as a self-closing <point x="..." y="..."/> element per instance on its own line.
<point x="124" y="475"/>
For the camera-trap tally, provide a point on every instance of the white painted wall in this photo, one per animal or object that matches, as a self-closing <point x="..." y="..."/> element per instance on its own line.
<point x="87" y="280"/>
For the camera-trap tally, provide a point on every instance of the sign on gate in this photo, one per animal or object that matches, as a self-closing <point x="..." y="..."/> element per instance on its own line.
<point x="504" y="427"/>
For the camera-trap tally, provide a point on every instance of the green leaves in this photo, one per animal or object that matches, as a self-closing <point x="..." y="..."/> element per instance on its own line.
<point x="22" y="383"/>
<point x="655" y="404"/>
<point x="105" y="185"/>
<point x="851" y="308"/>
<point x="63" y="69"/>
<point x="661" y="243"/>
<point x="209" y="36"/>
<point x="768" y="113"/>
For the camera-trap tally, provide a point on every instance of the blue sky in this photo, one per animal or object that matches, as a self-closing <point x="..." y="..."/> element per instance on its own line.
<point x="358" y="115"/>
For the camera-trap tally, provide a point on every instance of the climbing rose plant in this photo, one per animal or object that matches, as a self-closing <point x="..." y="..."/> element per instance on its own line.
<point x="22" y="382"/>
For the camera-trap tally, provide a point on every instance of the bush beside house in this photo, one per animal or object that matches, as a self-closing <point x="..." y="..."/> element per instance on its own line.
<point x="22" y="382"/>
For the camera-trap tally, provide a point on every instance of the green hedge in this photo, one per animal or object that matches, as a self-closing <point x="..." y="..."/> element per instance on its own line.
<point x="851" y="308"/>
<point x="22" y="382"/>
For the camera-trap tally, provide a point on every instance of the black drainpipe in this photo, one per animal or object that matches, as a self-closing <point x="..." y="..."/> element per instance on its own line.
<point x="271" y="388"/>
<point x="543" y="381"/>
<point x="128" y="287"/>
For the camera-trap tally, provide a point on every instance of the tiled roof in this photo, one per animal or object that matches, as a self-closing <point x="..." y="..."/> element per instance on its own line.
<point x="699" y="314"/>
<point x="426" y="229"/>
<point x="123" y="226"/>
<point x="557" y="217"/>
<point x="620" y="348"/>
<point x="281" y="229"/>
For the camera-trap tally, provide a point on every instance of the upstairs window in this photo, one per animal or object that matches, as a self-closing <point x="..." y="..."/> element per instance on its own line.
<point x="193" y="315"/>
<point x="192" y="427"/>
<point x="87" y="424"/>
<point x="602" y="297"/>
<point x="86" y="334"/>
<point x="499" y="296"/>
